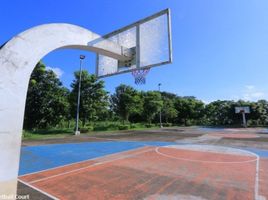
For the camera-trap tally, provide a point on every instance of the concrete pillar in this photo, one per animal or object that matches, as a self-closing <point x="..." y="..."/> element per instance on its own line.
<point x="18" y="58"/>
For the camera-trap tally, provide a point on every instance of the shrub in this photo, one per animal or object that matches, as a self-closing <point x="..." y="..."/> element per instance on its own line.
<point x="100" y="128"/>
<point x="113" y="126"/>
<point x="134" y="126"/>
<point x="188" y="123"/>
<point x="105" y="126"/>
<point x="167" y="124"/>
<point x="123" y="127"/>
<point x="149" y="125"/>
<point x="84" y="130"/>
<point x="89" y="127"/>
<point x="26" y="134"/>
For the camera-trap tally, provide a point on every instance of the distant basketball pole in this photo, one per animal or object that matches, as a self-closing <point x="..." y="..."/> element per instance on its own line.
<point x="243" y="110"/>
<point x="244" y="119"/>
<point x="160" y="112"/>
<point x="77" y="132"/>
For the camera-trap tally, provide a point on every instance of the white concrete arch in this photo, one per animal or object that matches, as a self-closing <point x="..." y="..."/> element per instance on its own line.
<point x="18" y="58"/>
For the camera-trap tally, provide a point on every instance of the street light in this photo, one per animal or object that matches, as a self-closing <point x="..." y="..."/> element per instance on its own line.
<point x="77" y="132"/>
<point x="160" y="113"/>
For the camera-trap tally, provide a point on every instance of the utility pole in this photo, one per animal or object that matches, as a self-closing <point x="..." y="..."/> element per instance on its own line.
<point x="77" y="132"/>
<point x="160" y="113"/>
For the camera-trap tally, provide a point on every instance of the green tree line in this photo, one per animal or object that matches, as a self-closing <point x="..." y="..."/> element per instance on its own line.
<point x="50" y="104"/>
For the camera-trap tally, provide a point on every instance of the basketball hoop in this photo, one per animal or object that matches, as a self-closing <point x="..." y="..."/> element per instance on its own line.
<point x="140" y="76"/>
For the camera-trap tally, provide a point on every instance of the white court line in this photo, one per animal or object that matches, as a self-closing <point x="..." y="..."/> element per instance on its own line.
<point x="39" y="190"/>
<point x="257" y="196"/>
<point x="106" y="138"/>
<point x="100" y="157"/>
<point x="93" y="165"/>
<point x="256" y="187"/>
<point x="203" y="161"/>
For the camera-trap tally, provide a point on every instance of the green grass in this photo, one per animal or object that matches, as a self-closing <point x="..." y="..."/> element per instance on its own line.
<point x="46" y="134"/>
<point x="104" y="127"/>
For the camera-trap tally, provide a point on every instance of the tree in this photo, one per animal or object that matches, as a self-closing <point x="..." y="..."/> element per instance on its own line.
<point x="168" y="111"/>
<point x="125" y="102"/>
<point x="152" y="105"/>
<point x="222" y="112"/>
<point x="259" y="113"/>
<point x="94" y="99"/>
<point x="189" y="108"/>
<point x="46" y="102"/>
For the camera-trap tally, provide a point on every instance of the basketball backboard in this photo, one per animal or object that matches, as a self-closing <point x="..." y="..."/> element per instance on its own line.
<point x="148" y="44"/>
<point x="244" y="109"/>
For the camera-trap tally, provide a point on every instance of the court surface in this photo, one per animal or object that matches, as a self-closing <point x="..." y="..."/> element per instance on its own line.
<point x="145" y="170"/>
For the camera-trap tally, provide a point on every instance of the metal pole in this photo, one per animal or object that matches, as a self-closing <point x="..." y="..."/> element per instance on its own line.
<point x="160" y="112"/>
<point x="244" y="119"/>
<point x="77" y="132"/>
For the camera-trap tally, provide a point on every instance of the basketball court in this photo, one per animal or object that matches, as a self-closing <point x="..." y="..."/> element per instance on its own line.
<point x="198" y="167"/>
<point x="152" y="170"/>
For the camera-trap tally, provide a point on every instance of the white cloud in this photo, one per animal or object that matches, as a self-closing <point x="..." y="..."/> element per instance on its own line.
<point x="206" y="101"/>
<point x="250" y="87"/>
<point x="251" y="93"/>
<point x="56" y="70"/>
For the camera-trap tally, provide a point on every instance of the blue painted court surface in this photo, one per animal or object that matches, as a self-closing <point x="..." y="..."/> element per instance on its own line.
<point x="210" y="129"/>
<point x="262" y="153"/>
<point x="37" y="158"/>
<point x="263" y="131"/>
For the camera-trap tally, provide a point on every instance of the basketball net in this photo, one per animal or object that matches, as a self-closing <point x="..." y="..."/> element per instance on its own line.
<point x="140" y="76"/>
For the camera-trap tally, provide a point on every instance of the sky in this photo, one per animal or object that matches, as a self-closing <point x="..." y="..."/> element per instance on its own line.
<point x="220" y="48"/>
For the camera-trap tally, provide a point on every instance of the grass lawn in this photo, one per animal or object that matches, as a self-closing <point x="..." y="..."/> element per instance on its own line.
<point x="61" y="133"/>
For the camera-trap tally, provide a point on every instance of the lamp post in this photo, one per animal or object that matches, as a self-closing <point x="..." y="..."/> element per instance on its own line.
<point x="160" y="113"/>
<point x="77" y="132"/>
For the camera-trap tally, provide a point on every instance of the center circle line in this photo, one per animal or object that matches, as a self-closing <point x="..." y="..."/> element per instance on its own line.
<point x="204" y="161"/>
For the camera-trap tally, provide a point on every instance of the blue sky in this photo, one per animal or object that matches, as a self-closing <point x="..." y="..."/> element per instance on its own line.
<point x="220" y="47"/>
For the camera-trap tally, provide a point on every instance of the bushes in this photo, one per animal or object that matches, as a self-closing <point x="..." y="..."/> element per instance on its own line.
<point x="84" y="130"/>
<point x="100" y="128"/>
<point x="133" y="126"/>
<point x="110" y="126"/>
<point x="114" y="126"/>
<point x="149" y="125"/>
<point x="26" y="134"/>
<point x="106" y="126"/>
<point x="90" y="128"/>
<point x="97" y="126"/>
<point x="123" y="127"/>
<point x="166" y="124"/>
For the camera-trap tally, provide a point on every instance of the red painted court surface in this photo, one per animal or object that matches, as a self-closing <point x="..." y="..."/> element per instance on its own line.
<point x="159" y="173"/>
<point x="235" y="135"/>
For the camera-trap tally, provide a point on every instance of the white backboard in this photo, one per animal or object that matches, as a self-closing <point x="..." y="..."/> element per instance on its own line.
<point x="149" y="41"/>
<point x="244" y="109"/>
